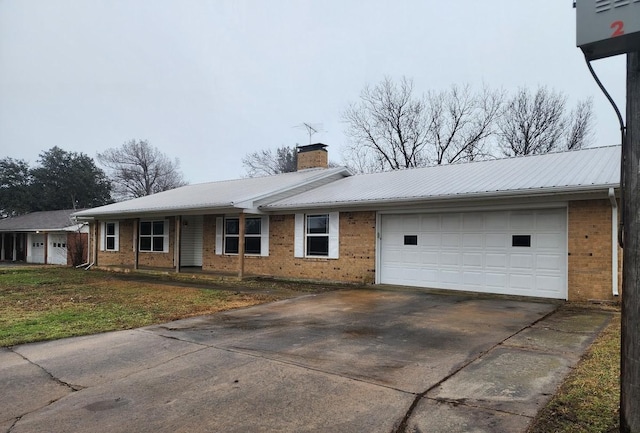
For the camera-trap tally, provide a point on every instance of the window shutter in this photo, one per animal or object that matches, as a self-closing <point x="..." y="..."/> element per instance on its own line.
<point x="264" y="235"/>
<point x="116" y="232"/>
<point x="165" y="235"/>
<point x="103" y="233"/>
<point x="298" y="242"/>
<point x="219" y="227"/>
<point x="334" y="235"/>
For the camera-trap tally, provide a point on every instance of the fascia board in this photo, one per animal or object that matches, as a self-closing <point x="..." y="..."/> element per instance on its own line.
<point x="417" y="201"/>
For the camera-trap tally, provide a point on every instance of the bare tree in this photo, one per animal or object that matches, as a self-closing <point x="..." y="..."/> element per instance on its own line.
<point x="138" y="169"/>
<point x="460" y="122"/>
<point x="387" y="128"/>
<point x="538" y="123"/>
<point x="580" y="131"/>
<point x="268" y="162"/>
<point x="392" y="129"/>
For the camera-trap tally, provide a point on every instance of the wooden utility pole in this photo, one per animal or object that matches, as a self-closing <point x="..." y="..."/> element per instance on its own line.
<point x="630" y="354"/>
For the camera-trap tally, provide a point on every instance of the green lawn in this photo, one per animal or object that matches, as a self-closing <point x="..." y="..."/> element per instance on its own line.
<point x="53" y="302"/>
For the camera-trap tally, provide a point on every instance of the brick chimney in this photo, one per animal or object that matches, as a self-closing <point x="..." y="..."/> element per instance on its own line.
<point x="313" y="156"/>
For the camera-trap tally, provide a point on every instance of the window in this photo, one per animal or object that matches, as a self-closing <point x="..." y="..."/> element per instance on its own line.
<point x="521" y="241"/>
<point x="256" y="235"/>
<point x="109" y="240"/>
<point x="316" y="235"/>
<point x="410" y="239"/>
<point x="153" y="236"/>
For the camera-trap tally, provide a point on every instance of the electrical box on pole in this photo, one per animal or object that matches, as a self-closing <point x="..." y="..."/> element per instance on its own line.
<point x="607" y="27"/>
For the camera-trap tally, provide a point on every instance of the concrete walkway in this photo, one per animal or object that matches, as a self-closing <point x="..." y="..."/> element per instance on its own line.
<point x="345" y="361"/>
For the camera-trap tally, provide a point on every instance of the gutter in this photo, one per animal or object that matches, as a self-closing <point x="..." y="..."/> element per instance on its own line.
<point x="614" y="242"/>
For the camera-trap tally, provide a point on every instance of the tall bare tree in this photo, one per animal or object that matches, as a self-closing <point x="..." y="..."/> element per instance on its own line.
<point x="387" y="128"/>
<point x="268" y="162"/>
<point x="460" y="123"/>
<point x="138" y="169"/>
<point x="533" y="123"/>
<point x="392" y="129"/>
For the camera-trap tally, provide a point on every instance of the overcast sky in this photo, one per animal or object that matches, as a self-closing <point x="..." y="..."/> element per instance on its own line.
<point x="209" y="81"/>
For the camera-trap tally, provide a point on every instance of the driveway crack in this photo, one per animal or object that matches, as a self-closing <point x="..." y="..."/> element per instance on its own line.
<point x="402" y="426"/>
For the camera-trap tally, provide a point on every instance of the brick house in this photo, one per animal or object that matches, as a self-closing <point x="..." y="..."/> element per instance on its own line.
<point x="48" y="237"/>
<point x="543" y="225"/>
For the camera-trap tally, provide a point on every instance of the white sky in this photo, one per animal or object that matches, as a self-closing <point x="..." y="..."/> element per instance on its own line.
<point x="209" y="81"/>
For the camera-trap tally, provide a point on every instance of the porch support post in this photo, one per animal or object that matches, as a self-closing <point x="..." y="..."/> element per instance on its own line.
<point x="176" y="246"/>
<point x="241" y="223"/>
<point x="46" y="248"/>
<point x="136" y="242"/>
<point x="96" y="242"/>
<point x="14" y="250"/>
<point x="2" y="247"/>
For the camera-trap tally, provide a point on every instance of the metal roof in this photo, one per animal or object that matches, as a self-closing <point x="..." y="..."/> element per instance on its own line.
<point x="227" y="195"/>
<point x="56" y="220"/>
<point x="580" y="170"/>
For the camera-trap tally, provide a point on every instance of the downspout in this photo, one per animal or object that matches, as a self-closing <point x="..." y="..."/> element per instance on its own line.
<point x="614" y="242"/>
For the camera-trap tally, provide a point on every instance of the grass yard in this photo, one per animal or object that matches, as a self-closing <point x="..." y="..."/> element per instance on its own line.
<point x="46" y="303"/>
<point x="588" y="401"/>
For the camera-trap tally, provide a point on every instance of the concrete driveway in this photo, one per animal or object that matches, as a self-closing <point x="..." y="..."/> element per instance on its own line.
<point x="345" y="361"/>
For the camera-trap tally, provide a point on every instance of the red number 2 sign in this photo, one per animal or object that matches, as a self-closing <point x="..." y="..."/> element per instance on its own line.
<point x="618" y="28"/>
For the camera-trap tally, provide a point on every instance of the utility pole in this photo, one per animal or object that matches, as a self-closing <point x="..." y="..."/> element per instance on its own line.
<point x="630" y="354"/>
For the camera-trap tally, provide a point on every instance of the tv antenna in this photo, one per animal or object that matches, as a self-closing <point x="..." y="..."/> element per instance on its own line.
<point x="312" y="128"/>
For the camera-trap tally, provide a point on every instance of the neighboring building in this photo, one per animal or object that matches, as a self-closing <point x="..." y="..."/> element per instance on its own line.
<point x="543" y="225"/>
<point x="50" y="237"/>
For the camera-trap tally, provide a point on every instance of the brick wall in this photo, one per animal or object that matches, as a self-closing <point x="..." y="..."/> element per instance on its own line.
<point x="356" y="262"/>
<point x="590" y="250"/>
<point x="125" y="255"/>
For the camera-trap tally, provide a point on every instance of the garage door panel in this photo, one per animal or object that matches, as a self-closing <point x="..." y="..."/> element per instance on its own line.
<point x="549" y="241"/>
<point x="472" y="260"/>
<point x="473" y="278"/>
<point x="450" y="259"/>
<point x="521" y="281"/>
<point x="522" y="261"/>
<point x="429" y="240"/>
<point x="496" y="240"/>
<point x="430" y="223"/>
<point x="493" y="260"/>
<point x="450" y="240"/>
<point x="473" y="240"/>
<point x="496" y="280"/>
<point x="496" y="221"/>
<point x="473" y="251"/>
<point x="430" y="258"/>
<point x="451" y="222"/>
<point x="549" y="262"/>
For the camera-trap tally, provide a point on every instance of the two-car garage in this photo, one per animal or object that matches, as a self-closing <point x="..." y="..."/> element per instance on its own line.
<point x="515" y="252"/>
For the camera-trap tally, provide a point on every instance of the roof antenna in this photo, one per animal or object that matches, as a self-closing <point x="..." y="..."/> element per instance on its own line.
<point x="312" y="128"/>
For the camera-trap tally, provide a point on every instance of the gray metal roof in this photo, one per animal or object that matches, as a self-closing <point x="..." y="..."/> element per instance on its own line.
<point x="238" y="194"/>
<point x="563" y="172"/>
<point x="56" y="220"/>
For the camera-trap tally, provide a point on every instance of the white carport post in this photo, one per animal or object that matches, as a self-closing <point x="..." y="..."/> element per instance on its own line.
<point x="15" y="249"/>
<point x="176" y="243"/>
<point x="2" y="247"/>
<point x="241" y="223"/>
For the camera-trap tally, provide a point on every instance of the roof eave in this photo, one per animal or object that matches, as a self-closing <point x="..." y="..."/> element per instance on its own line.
<point x="537" y="193"/>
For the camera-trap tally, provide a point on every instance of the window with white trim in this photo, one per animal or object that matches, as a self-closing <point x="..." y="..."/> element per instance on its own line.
<point x="252" y="235"/>
<point x="110" y="239"/>
<point x="110" y="236"/>
<point x="154" y="236"/>
<point x="317" y="235"/>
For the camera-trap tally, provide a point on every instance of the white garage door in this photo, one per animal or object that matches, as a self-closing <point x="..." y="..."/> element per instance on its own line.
<point x="509" y="252"/>
<point x="57" y="250"/>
